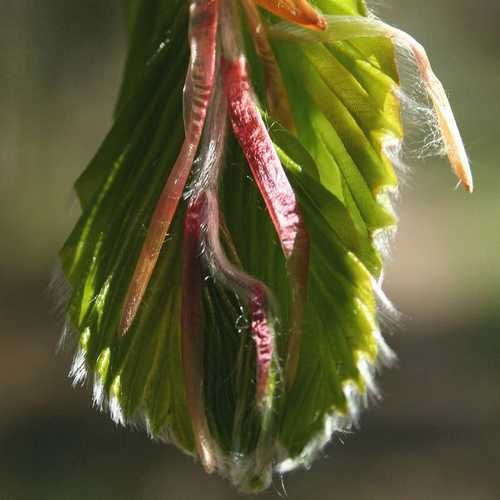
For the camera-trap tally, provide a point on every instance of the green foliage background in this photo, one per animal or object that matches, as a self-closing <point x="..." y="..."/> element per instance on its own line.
<point x="435" y="433"/>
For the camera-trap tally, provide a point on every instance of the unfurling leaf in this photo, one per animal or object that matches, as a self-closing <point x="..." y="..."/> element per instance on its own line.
<point x="226" y="268"/>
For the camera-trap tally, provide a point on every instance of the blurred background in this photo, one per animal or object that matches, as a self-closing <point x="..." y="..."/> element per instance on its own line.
<point x="436" y="434"/>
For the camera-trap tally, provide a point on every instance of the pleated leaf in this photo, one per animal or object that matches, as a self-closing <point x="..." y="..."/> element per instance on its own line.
<point x="257" y="335"/>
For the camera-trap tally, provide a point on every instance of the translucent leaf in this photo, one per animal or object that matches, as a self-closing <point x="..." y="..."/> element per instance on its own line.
<point x="257" y="334"/>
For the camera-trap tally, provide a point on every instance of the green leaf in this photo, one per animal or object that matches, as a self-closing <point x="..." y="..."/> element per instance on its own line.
<point x="343" y="99"/>
<point x="140" y="374"/>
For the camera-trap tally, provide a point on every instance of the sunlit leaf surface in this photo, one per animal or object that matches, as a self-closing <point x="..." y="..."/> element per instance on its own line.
<point x="257" y="334"/>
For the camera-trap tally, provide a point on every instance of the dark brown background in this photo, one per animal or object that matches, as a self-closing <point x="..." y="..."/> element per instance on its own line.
<point x="436" y="434"/>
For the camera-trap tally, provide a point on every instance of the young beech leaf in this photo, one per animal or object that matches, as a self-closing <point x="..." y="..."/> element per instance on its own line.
<point x="226" y="269"/>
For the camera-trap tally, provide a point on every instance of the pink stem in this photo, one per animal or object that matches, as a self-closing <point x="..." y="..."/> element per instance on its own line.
<point x="253" y="290"/>
<point x="295" y="11"/>
<point x="449" y="129"/>
<point x="192" y="331"/>
<point x="277" y="95"/>
<point x="279" y="197"/>
<point x="199" y="84"/>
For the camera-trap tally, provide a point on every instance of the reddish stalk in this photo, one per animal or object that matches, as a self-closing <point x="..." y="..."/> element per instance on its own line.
<point x="449" y="129"/>
<point x="277" y="95"/>
<point x="278" y="195"/>
<point x="199" y="84"/>
<point x="192" y="330"/>
<point x="250" y="289"/>
<point x="296" y="11"/>
<point x="202" y="233"/>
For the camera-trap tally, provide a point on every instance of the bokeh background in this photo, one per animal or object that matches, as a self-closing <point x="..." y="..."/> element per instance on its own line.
<point x="436" y="435"/>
